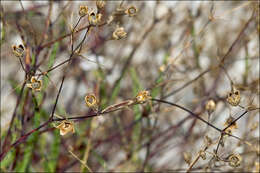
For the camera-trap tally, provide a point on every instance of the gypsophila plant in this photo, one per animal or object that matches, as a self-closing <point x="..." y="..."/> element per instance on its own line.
<point x="129" y="86"/>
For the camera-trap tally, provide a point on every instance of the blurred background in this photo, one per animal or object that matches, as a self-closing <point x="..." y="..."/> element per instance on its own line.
<point x="183" y="52"/>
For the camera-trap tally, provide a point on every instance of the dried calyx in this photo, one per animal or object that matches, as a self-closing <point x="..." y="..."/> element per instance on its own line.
<point x="94" y="18"/>
<point x="143" y="96"/>
<point x="231" y="125"/>
<point x="91" y="101"/>
<point x="119" y="33"/>
<point x="131" y="11"/>
<point x="234" y="160"/>
<point x="83" y="10"/>
<point x="18" y="51"/>
<point x="100" y="4"/>
<point x="233" y="97"/>
<point x="35" y="84"/>
<point x="66" y="127"/>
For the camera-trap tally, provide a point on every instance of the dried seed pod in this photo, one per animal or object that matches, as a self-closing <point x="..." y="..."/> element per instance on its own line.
<point x="18" y="51"/>
<point x="229" y="120"/>
<point x="66" y="127"/>
<point x="119" y="33"/>
<point x="91" y="101"/>
<point x="100" y="4"/>
<point x="83" y="11"/>
<point x="143" y="96"/>
<point x="94" y="18"/>
<point x="202" y="154"/>
<point x="234" y="160"/>
<point x="233" y="97"/>
<point x="35" y="84"/>
<point x="131" y="11"/>
<point x="210" y="106"/>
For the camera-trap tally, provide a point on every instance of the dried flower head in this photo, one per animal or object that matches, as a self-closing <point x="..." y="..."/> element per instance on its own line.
<point x="94" y="18"/>
<point x="100" y="4"/>
<point x="202" y="154"/>
<point x="131" y="11"/>
<point x="233" y="97"/>
<point x="66" y="127"/>
<point x="234" y="160"/>
<point x="83" y="10"/>
<point x="91" y="101"/>
<point x="143" y="96"/>
<point x="119" y="33"/>
<point x="35" y="84"/>
<point x="18" y="50"/>
<point x="229" y="120"/>
<point x="210" y="106"/>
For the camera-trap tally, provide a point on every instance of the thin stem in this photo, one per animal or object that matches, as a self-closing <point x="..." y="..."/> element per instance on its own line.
<point x="234" y="121"/>
<point x="190" y="112"/>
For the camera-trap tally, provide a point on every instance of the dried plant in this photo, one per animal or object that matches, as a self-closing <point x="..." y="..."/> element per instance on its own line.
<point x="142" y="86"/>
